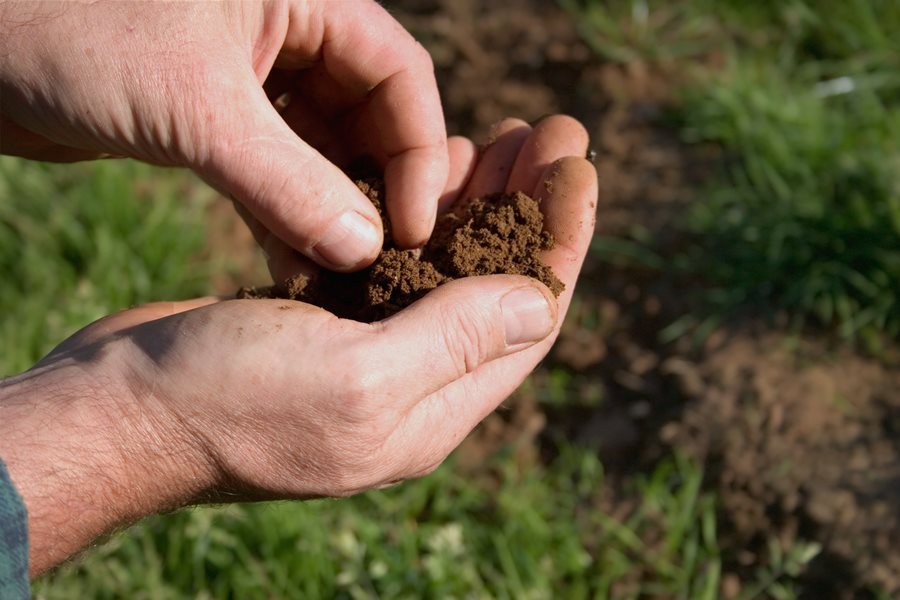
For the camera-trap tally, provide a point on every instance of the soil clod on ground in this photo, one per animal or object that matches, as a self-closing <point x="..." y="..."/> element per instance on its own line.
<point x="498" y="234"/>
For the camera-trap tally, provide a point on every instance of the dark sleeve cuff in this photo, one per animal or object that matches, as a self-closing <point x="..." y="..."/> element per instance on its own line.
<point x="13" y="541"/>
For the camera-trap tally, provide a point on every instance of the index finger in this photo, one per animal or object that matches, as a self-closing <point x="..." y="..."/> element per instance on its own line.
<point x="374" y="58"/>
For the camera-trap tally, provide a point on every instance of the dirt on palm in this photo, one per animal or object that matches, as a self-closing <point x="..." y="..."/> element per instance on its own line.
<point x="500" y="233"/>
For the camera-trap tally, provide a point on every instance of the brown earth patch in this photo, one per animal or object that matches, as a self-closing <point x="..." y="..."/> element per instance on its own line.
<point x="803" y="444"/>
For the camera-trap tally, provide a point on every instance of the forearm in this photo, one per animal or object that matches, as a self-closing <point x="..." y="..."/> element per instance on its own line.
<point x="84" y="460"/>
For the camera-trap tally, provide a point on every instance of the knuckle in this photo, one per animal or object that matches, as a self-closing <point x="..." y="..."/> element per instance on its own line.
<point x="272" y="193"/>
<point x="470" y="340"/>
<point x="269" y="189"/>
<point x="422" y="58"/>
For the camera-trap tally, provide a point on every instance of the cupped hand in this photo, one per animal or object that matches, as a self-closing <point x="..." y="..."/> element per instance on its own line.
<point x="193" y="84"/>
<point x="249" y="399"/>
<point x="289" y="400"/>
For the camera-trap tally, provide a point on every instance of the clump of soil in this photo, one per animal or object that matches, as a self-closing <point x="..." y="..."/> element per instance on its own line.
<point x="499" y="233"/>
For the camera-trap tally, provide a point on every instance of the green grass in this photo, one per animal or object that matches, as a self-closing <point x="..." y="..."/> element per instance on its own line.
<point x="835" y="34"/>
<point x="79" y="241"/>
<point x="531" y="534"/>
<point x="804" y="215"/>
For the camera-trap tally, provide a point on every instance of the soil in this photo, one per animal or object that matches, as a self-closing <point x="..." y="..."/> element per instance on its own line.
<point x="500" y="233"/>
<point x="799" y="438"/>
<point x="803" y="445"/>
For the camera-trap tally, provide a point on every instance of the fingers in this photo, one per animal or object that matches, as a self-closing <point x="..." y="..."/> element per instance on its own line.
<point x="126" y="319"/>
<point x="456" y="328"/>
<point x="568" y="194"/>
<point x="318" y="130"/>
<point x="414" y="179"/>
<point x="298" y="195"/>
<point x="516" y="155"/>
<point x="282" y="261"/>
<point x="552" y="138"/>
<point x="292" y="189"/>
<point x="497" y="158"/>
<point x="463" y="157"/>
<point x="372" y="57"/>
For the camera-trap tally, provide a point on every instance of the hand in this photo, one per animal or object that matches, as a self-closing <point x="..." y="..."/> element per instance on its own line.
<point x="210" y="400"/>
<point x="192" y="84"/>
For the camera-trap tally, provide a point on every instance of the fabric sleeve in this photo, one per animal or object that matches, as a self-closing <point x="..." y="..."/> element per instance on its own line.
<point x="13" y="541"/>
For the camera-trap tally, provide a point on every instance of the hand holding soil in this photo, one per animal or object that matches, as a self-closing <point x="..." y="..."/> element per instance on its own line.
<point x="265" y="101"/>
<point x="211" y="400"/>
<point x="501" y="232"/>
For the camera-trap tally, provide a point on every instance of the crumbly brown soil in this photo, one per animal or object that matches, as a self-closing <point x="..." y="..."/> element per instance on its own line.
<point x="500" y="233"/>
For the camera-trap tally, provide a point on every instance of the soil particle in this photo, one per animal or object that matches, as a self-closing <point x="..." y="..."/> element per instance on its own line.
<point x="500" y="233"/>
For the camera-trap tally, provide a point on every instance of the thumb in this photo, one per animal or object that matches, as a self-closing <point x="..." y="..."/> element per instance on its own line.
<point x="459" y="326"/>
<point x="287" y="185"/>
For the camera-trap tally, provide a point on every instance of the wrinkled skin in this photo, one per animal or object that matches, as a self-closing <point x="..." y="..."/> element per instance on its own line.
<point x="190" y="84"/>
<point x="171" y="404"/>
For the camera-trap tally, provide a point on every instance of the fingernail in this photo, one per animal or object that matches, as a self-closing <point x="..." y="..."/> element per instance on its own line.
<point x="350" y="239"/>
<point x="526" y="316"/>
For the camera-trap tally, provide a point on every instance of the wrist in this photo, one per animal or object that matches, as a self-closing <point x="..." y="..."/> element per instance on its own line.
<point x="84" y="455"/>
